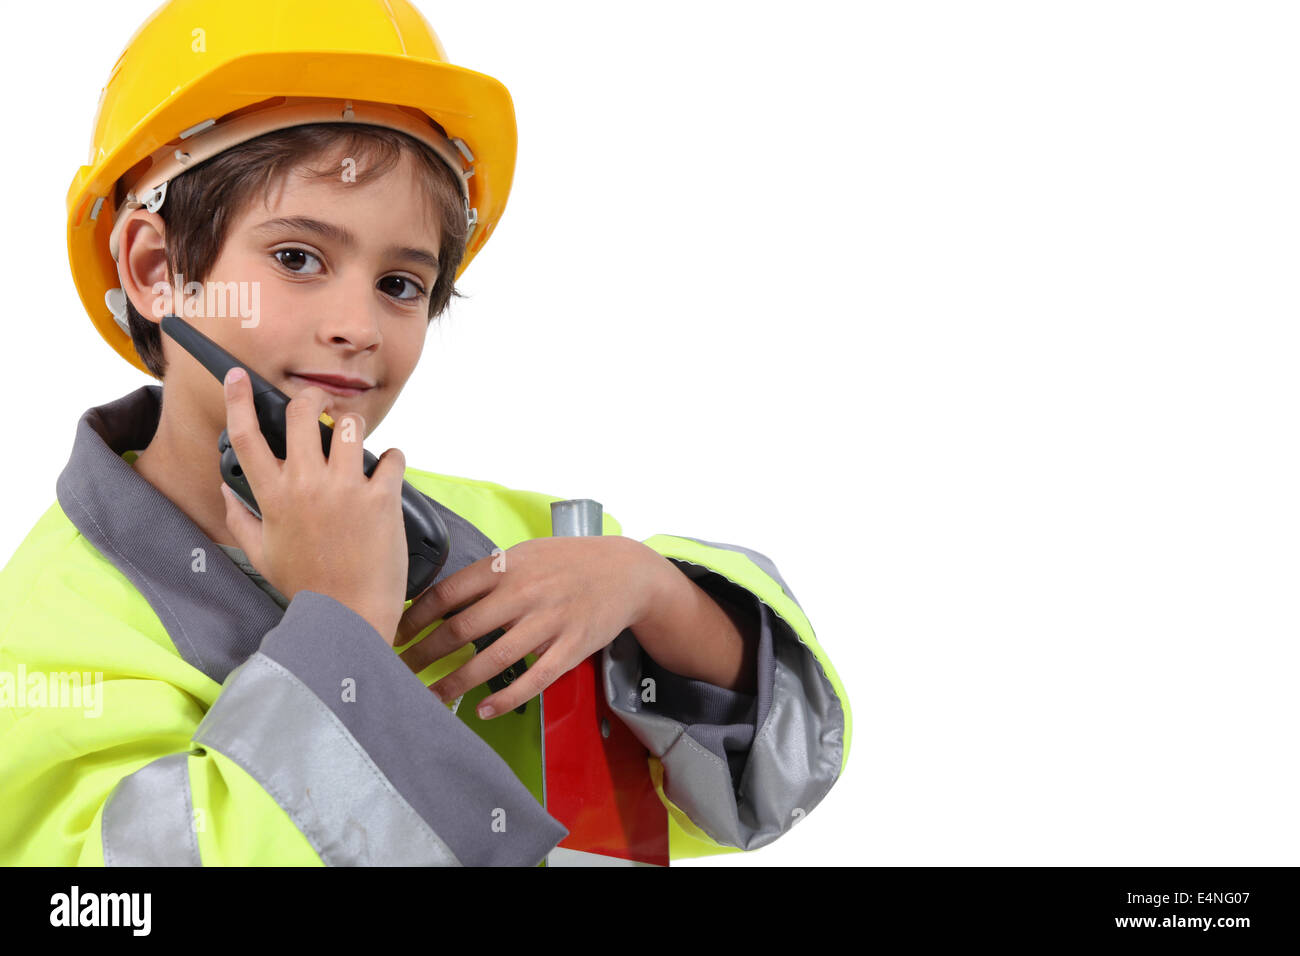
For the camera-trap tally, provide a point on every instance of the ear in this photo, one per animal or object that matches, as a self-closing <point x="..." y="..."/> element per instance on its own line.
<point x="142" y="264"/>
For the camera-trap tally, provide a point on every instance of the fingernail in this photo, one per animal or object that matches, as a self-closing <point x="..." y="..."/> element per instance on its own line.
<point x="485" y="711"/>
<point x="233" y="376"/>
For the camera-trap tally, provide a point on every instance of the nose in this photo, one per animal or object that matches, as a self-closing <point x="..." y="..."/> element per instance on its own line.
<point x="354" y="322"/>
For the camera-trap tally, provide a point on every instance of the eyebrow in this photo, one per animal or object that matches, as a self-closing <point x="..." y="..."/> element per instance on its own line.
<point x="340" y="235"/>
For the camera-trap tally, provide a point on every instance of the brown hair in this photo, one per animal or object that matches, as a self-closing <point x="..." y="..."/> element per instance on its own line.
<point x="202" y="202"/>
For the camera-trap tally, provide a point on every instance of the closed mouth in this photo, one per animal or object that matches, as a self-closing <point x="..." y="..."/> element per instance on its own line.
<point x="334" y="384"/>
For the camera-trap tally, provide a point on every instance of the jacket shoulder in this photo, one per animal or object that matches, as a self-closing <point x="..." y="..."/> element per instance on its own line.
<point x="57" y="581"/>
<point x="46" y="551"/>
<point x="506" y="515"/>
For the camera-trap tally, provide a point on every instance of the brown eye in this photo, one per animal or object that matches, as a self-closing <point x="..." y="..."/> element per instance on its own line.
<point x="419" y="289"/>
<point x="294" y="253"/>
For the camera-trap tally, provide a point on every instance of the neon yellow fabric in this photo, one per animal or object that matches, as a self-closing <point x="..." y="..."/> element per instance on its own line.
<point x="66" y="608"/>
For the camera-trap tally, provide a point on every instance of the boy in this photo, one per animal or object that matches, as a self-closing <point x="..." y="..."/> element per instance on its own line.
<point x="330" y="172"/>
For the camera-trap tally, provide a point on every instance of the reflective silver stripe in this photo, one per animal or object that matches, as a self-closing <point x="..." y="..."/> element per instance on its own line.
<point x="149" y="820"/>
<point x="272" y="725"/>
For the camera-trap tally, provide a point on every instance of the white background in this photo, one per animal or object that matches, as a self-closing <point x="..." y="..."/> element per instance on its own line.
<point x="978" y="319"/>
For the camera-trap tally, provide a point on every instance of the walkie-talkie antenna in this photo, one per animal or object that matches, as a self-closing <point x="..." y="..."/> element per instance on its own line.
<point x="269" y="402"/>
<point x="209" y="354"/>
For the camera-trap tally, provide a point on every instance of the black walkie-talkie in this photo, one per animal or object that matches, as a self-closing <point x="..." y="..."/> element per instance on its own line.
<point x="427" y="542"/>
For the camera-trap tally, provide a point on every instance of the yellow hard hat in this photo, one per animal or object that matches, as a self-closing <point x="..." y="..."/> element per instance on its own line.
<point x="169" y="99"/>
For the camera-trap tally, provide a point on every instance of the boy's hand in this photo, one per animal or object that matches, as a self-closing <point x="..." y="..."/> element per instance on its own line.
<point x="325" y="526"/>
<point x="563" y="598"/>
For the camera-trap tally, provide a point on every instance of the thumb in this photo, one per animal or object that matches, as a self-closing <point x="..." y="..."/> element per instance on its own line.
<point x="246" y="529"/>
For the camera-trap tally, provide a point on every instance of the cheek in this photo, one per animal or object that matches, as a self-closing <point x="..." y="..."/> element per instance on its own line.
<point x="408" y="355"/>
<point x="263" y="347"/>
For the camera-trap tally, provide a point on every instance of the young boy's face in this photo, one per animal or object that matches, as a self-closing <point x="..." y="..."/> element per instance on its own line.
<point x="352" y="307"/>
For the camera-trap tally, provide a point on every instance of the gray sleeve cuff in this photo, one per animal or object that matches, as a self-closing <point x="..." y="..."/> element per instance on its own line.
<point x="790" y="762"/>
<point x="369" y="764"/>
<point x="721" y="719"/>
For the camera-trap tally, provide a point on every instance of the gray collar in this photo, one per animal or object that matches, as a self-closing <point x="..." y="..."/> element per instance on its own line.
<point x="215" y="615"/>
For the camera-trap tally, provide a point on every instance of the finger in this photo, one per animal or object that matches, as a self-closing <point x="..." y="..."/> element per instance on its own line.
<point x="346" y="453"/>
<point x="391" y="470"/>
<point x="421" y="655"/>
<point x="255" y="457"/>
<point x="492" y="611"/>
<point x="506" y="650"/>
<point x="547" y="669"/>
<point x="451" y="594"/>
<point x="247" y="530"/>
<point x="389" y="474"/>
<point x="302" y="440"/>
<point x="434" y="648"/>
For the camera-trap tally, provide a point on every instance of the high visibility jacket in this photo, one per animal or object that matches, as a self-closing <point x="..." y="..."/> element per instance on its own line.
<point x="213" y="726"/>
